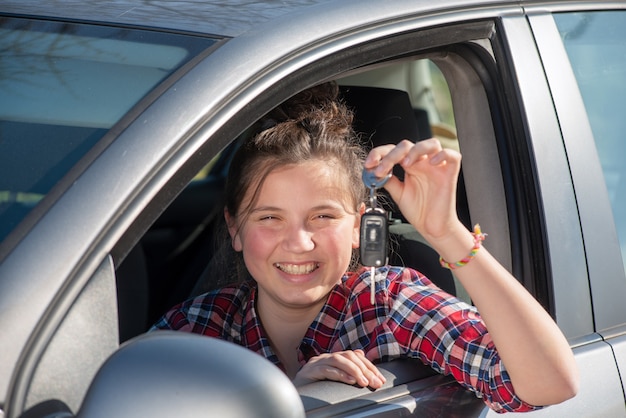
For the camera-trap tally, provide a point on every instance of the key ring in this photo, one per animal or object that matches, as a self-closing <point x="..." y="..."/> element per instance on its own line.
<point x="373" y="183"/>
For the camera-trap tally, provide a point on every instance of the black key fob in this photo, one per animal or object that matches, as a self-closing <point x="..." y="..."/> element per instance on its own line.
<point x="374" y="238"/>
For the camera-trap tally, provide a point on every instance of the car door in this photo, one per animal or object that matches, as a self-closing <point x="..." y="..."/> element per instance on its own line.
<point x="586" y="293"/>
<point x="589" y="98"/>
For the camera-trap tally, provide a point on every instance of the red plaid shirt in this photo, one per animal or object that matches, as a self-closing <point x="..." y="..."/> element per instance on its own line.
<point x="410" y="318"/>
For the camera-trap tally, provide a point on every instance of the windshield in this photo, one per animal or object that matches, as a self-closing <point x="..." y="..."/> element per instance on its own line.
<point x="62" y="87"/>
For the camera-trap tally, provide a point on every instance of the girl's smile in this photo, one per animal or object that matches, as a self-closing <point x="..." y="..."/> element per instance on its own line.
<point x="297" y="269"/>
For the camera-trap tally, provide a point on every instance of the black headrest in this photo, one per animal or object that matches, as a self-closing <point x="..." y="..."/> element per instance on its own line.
<point x="382" y="116"/>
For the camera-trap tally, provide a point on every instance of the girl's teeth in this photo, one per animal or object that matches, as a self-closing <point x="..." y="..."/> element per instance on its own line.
<point x="297" y="268"/>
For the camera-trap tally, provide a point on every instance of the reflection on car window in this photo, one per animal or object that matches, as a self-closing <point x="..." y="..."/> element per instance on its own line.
<point x="63" y="86"/>
<point x="595" y="44"/>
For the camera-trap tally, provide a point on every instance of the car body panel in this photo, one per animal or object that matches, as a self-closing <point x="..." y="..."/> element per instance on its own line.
<point x="77" y="349"/>
<point x="599" y="394"/>
<point x="581" y="187"/>
<point x="618" y="344"/>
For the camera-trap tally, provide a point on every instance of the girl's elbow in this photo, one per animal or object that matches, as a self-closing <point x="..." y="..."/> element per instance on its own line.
<point x="570" y="385"/>
<point x="569" y="379"/>
<point x="566" y="383"/>
<point x="564" y="387"/>
<point x="555" y="388"/>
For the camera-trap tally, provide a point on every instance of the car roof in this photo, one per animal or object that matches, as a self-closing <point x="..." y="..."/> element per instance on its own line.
<point x="227" y="19"/>
<point x="224" y="19"/>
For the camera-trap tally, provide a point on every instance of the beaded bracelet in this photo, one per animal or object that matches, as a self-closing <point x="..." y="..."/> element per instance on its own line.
<point x="479" y="237"/>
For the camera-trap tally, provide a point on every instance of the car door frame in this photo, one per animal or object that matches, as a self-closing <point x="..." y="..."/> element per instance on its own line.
<point x="606" y="275"/>
<point x="570" y="176"/>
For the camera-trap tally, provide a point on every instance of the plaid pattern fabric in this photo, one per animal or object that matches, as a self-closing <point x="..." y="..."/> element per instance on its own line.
<point x="411" y="317"/>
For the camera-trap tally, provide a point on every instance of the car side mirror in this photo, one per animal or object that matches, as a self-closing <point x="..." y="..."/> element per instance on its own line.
<point x="169" y="374"/>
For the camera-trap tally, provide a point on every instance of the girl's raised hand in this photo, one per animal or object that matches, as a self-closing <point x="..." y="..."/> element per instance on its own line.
<point x="427" y="196"/>
<point x="350" y="366"/>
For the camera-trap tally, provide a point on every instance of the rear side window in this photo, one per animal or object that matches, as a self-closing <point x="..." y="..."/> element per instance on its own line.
<point x="62" y="87"/>
<point x="594" y="42"/>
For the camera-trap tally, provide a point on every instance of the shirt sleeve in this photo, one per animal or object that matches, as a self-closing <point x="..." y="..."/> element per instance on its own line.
<point x="214" y="314"/>
<point x="202" y="315"/>
<point x="449" y="335"/>
<point x="175" y="319"/>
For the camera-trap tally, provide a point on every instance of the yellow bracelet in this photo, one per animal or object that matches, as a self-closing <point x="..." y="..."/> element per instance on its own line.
<point x="479" y="237"/>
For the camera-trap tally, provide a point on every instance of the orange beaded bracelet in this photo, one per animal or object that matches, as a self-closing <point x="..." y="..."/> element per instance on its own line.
<point x="479" y="237"/>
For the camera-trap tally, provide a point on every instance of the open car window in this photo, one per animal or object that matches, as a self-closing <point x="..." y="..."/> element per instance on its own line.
<point x="184" y="251"/>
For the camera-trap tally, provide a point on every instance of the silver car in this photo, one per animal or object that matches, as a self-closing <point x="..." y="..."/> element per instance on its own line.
<point x="117" y="123"/>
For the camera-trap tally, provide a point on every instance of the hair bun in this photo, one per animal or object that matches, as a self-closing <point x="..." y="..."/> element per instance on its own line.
<point x="310" y="100"/>
<point x="318" y="110"/>
<point x="322" y="98"/>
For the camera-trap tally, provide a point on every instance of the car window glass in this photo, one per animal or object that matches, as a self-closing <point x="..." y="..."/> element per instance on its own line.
<point x="594" y="42"/>
<point x="62" y="87"/>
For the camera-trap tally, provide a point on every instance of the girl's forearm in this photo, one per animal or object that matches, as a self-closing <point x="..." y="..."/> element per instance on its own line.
<point x="532" y="347"/>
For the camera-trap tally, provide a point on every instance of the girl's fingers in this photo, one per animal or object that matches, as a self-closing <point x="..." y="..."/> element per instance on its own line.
<point x="377" y="154"/>
<point x="421" y="150"/>
<point x="394" y="186"/>
<point x="384" y="158"/>
<point x="358" y="367"/>
<point x="368" y="368"/>
<point x="351" y="367"/>
<point x="427" y="191"/>
<point x="405" y="153"/>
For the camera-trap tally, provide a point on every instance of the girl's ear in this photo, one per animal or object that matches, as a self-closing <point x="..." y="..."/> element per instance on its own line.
<point x="356" y="232"/>
<point x="233" y="231"/>
<point x="361" y="209"/>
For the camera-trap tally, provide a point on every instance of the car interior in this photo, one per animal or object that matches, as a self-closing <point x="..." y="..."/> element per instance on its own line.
<point x="186" y="253"/>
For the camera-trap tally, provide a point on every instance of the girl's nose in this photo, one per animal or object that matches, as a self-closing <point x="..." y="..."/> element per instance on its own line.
<point x="298" y="239"/>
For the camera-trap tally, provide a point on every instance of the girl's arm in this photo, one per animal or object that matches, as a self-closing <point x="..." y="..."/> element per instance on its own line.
<point x="533" y="349"/>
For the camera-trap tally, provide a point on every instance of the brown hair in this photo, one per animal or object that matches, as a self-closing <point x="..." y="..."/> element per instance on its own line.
<point x="312" y="125"/>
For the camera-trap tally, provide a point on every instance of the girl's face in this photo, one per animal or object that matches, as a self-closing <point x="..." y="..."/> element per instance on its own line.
<point x="298" y="237"/>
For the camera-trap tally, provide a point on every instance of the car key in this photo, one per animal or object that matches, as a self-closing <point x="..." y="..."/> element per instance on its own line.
<point x="374" y="229"/>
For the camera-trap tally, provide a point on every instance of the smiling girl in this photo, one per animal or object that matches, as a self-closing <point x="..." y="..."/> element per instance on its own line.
<point x="294" y="202"/>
